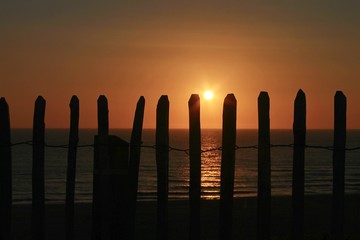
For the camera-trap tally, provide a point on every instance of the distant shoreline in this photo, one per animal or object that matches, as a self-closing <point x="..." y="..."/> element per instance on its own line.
<point x="317" y="218"/>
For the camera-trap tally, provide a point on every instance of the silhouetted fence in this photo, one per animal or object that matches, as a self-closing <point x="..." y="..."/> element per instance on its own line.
<point x="116" y="169"/>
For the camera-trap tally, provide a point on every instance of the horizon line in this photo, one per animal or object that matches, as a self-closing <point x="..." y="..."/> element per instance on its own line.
<point x="123" y="128"/>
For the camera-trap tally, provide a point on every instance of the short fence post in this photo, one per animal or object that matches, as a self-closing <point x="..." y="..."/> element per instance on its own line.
<point x="71" y="167"/>
<point x="162" y="164"/>
<point x="339" y="166"/>
<point x="134" y="162"/>
<point x="195" y="166"/>
<point x="5" y="172"/>
<point x="299" y="131"/>
<point x="264" y="169"/>
<point x="114" y="209"/>
<point x="227" y="166"/>
<point x="38" y="186"/>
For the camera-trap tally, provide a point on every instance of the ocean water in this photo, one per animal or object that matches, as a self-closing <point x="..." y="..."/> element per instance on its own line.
<point x="318" y="164"/>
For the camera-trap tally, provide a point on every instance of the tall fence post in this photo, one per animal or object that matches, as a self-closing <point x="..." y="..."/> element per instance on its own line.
<point x="339" y="166"/>
<point x="5" y="172"/>
<point x="264" y="169"/>
<point x="134" y="162"/>
<point x="195" y="166"/>
<point x="38" y="186"/>
<point x="299" y="131"/>
<point x="227" y="166"/>
<point x="101" y="161"/>
<point x="162" y="165"/>
<point x="110" y="193"/>
<point x="71" y="167"/>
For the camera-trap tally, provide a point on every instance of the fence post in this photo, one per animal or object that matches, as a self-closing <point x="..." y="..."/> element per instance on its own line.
<point x="101" y="161"/>
<point x="195" y="166"/>
<point x="71" y="167"/>
<point x="5" y="172"/>
<point x="227" y="166"/>
<point x="264" y="169"/>
<point x="339" y="165"/>
<point x="162" y="165"/>
<point x="110" y="193"/>
<point x="134" y="162"/>
<point x="299" y="131"/>
<point x="38" y="186"/>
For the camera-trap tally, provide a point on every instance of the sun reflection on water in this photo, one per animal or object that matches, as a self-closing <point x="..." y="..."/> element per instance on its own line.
<point x="210" y="168"/>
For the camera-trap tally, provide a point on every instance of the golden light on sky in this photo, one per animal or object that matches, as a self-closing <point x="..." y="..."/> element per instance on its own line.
<point x="127" y="49"/>
<point x="208" y="95"/>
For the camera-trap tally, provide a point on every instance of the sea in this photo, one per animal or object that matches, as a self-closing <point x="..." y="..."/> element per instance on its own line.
<point x="318" y="164"/>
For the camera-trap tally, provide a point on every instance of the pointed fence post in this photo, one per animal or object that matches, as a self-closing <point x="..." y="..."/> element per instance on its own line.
<point x="38" y="185"/>
<point x="339" y="166"/>
<point x="162" y="165"/>
<point x="195" y="166"/>
<point x="134" y="162"/>
<point x="299" y="131"/>
<point x="227" y="166"/>
<point x="71" y="167"/>
<point x="264" y="169"/>
<point x="5" y="172"/>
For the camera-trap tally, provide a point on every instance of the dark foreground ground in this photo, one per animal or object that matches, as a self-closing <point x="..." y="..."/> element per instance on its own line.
<point x="317" y="219"/>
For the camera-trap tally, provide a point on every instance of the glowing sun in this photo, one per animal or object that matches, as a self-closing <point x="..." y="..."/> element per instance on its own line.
<point x="208" y="95"/>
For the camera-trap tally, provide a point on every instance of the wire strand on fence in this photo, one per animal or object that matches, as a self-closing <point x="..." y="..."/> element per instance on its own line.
<point x="30" y="143"/>
<point x="186" y="150"/>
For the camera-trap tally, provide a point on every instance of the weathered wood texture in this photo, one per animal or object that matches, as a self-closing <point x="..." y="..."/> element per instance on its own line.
<point x="299" y="132"/>
<point x="227" y="166"/>
<point x="134" y="162"/>
<point x="111" y="182"/>
<point x="264" y="168"/>
<point x="195" y="166"/>
<point x="339" y="166"/>
<point x="38" y="185"/>
<point x="5" y="172"/>
<point x="71" y="167"/>
<point x="162" y="165"/>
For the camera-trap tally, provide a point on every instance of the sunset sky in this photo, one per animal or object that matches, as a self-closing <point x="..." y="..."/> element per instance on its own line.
<point x="127" y="49"/>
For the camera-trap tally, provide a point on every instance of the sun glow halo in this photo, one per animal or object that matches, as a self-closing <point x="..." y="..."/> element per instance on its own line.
<point x="208" y="95"/>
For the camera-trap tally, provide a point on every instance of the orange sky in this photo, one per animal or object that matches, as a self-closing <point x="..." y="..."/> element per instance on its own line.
<point x="132" y="48"/>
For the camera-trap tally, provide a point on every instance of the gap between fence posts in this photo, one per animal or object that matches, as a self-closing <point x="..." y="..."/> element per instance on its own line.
<point x="227" y="167"/>
<point x="339" y="166"/>
<point x="71" y="167"/>
<point x="264" y="169"/>
<point x="134" y="162"/>
<point x="5" y="172"/>
<point x="299" y="132"/>
<point x="162" y="166"/>
<point x="38" y="186"/>
<point x="195" y="166"/>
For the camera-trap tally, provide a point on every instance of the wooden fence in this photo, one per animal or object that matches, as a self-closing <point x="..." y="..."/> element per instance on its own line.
<point x="116" y="167"/>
